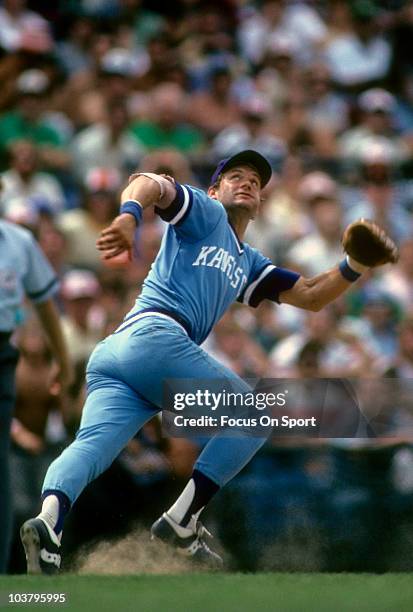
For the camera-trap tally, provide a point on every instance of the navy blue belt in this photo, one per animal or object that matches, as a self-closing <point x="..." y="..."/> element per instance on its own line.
<point x="133" y="318"/>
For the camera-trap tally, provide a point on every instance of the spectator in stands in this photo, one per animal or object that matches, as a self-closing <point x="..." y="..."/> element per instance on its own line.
<point x="278" y="77"/>
<point x="83" y="319"/>
<point x="20" y="212"/>
<point x="108" y="78"/>
<point x="118" y="67"/>
<point x="22" y="29"/>
<point x="360" y="58"/>
<point x="208" y="41"/>
<point x="402" y="366"/>
<point x="321" y="248"/>
<point x="326" y="109"/>
<point x="25" y="181"/>
<point x="254" y="131"/>
<point x="381" y="313"/>
<point x="27" y="122"/>
<point x="215" y="107"/>
<point x="376" y="125"/>
<point x="107" y="144"/>
<point x="265" y="327"/>
<point x="399" y="281"/>
<point x="167" y="127"/>
<point x="233" y="347"/>
<point x="82" y="226"/>
<point x="379" y="197"/>
<point x="299" y="21"/>
<point x="114" y="299"/>
<point x="145" y="252"/>
<point x="160" y="58"/>
<point x="281" y="219"/>
<point x="343" y="353"/>
<point x="53" y="244"/>
<point x="145" y="23"/>
<point x="338" y="19"/>
<point x="308" y="360"/>
<point x="168" y="161"/>
<point x="73" y="53"/>
<point x="264" y="234"/>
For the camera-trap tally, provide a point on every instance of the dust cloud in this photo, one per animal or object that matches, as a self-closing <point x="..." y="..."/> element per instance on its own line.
<point x="134" y="554"/>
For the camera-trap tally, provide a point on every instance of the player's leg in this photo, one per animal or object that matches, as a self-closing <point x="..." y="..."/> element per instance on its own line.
<point x="113" y="413"/>
<point x="222" y="458"/>
<point x="149" y="352"/>
<point x="8" y="361"/>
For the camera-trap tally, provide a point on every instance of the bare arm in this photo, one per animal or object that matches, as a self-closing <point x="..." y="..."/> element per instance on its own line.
<point x="150" y="190"/>
<point x="49" y="319"/>
<point x="156" y="191"/>
<point x="316" y="292"/>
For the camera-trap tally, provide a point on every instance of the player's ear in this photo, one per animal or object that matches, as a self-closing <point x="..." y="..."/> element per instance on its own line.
<point x="212" y="192"/>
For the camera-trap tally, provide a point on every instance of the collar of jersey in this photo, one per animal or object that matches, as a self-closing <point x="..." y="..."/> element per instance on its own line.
<point x="240" y="246"/>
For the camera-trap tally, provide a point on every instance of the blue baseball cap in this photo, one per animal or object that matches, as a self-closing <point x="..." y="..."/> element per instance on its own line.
<point x="248" y="157"/>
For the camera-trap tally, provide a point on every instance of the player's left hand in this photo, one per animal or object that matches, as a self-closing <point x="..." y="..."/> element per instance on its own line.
<point x="368" y="244"/>
<point x="118" y="238"/>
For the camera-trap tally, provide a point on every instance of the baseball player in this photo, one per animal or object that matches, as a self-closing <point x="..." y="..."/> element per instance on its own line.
<point x="202" y="267"/>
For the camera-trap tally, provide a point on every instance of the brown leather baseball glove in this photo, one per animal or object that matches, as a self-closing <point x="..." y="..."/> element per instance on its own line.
<point x="368" y="244"/>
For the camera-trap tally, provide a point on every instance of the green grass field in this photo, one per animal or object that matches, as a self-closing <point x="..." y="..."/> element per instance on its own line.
<point x="219" y="592"/>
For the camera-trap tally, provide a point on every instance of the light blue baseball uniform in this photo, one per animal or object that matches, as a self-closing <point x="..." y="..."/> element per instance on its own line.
<point x="200" y="270"/>
<point x="24" y="271"/>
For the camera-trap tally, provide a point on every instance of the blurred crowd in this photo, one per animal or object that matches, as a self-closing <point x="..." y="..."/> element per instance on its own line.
<point x="93" y="90"/>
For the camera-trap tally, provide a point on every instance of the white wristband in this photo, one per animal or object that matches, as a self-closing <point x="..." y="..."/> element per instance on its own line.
<point x="356" y="266"/>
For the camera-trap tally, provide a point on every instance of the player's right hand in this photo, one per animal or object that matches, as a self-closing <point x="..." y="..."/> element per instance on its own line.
<point x="118" y="238"/>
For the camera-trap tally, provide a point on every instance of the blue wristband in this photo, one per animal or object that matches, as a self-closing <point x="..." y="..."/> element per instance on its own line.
<point x="348" y="273"/>
<point x="133" y="208"/>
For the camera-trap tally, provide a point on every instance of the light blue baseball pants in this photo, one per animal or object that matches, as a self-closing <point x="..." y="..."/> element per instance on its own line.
<point x="124" y="378"/>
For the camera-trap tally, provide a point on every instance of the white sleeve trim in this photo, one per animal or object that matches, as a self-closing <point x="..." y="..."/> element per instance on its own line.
<point x="251" y="288"/>
<point x="184" y="208"/>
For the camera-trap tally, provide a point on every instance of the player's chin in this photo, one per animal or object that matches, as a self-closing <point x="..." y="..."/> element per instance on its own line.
<point x="246" y="202"/>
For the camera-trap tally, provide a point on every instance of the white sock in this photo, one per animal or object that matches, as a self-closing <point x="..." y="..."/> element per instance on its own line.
<point x="180" y="507"/>
<point x="50" y="512"/>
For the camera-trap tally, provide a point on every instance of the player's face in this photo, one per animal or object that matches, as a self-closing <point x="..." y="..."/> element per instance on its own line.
<point x="239" y="187"/>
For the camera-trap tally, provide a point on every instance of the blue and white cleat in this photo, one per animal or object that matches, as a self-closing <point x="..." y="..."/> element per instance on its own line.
<point x="189" y="541"/>
<point x="42" y="547"/>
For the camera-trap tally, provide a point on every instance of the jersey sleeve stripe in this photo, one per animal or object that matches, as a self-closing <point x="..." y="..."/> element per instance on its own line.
<point x="178" y="208"/>
<point x="37" y="295"/>
<point x="248" y="293"/>
<point x="184" y="207"/>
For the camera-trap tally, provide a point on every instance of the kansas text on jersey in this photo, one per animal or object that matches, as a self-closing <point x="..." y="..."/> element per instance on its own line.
<point x="202" y="267"/>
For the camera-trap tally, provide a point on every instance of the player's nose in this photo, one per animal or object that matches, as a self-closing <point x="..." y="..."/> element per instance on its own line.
<point x="246" y="182"/>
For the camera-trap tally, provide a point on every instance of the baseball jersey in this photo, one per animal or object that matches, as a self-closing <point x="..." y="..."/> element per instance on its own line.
<point x="202" y="267"/>
<point x="24" y="270"/>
